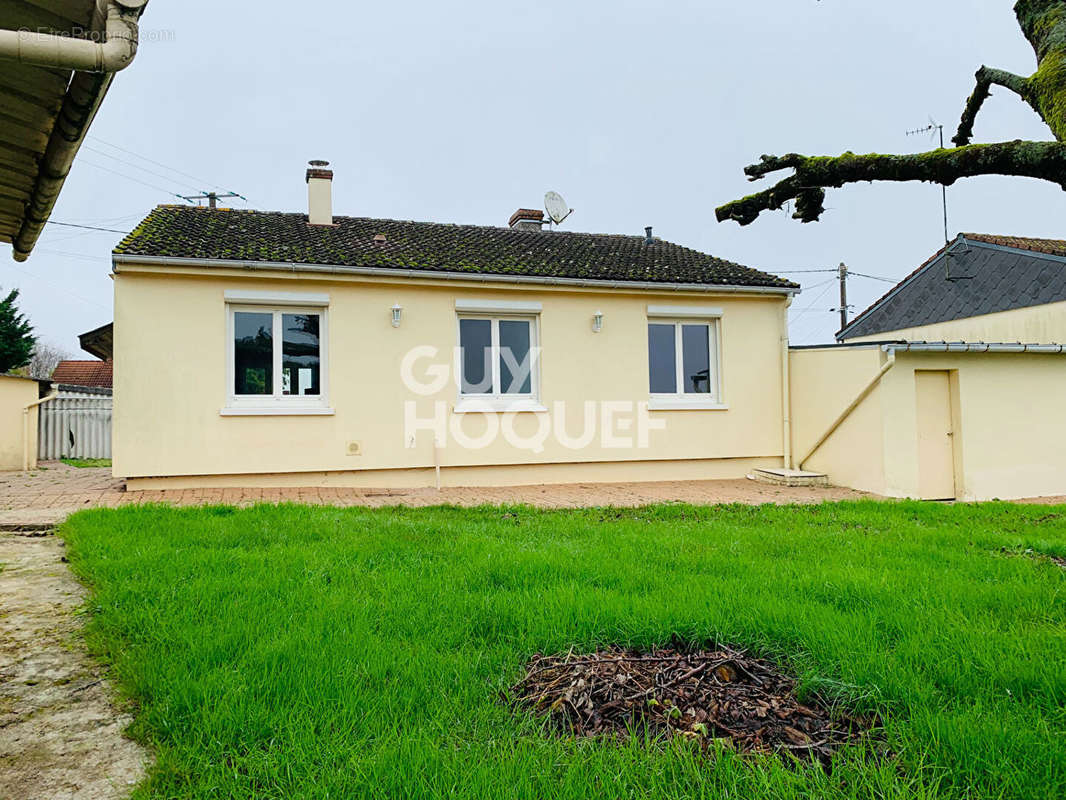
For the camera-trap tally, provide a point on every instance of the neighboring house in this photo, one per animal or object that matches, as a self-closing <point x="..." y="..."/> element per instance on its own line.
<point x="272" y="349"/>
<point x="83" y="373"/>
<point x="57" y="60"/>
<point x="99" y="342"/>
<point x="949" y="386"/>
<point x="978" y="288"/>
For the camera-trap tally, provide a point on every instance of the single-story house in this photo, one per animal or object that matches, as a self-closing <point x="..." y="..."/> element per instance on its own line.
<point x="951" y="385"/>
<point x="97" y="374"/>
<point x="290" y="349"/>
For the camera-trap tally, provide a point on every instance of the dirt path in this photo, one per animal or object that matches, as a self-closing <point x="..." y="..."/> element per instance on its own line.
<point x="60" y="736"/>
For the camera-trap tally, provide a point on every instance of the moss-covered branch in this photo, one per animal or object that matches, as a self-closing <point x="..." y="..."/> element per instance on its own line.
<point x="813" y="174"/>
<point x="1044" y="24"/>
<point x="986" y="79"/>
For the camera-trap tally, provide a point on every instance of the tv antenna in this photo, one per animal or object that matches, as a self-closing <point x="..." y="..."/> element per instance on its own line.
<point x="556" y="207"/>
<point x="213" y="197"/>
<point x="933" y="128"/>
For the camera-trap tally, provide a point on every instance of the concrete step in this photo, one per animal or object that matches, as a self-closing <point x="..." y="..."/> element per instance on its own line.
<point x="789" y="477"/>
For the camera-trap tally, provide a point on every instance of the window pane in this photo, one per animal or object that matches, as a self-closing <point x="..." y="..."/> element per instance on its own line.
<point x="253" y="361"/>
<point x="662" y="361"/>
<point x="516" y="364"/>
<point x="696" y="359"/>
<point x="300" y="356"/>
<point x="475" y="340"/>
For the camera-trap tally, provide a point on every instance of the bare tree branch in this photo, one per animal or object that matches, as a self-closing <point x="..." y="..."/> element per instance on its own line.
<point x="814" y="174"/>
<point x="987" y="78"/>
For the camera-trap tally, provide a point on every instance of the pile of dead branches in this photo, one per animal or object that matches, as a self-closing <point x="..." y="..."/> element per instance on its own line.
<point x="712" y="696"/>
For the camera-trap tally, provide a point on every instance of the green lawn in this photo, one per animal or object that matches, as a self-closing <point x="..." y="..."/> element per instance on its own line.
<point x="83" y="463"/>
<point x="299" y="652"/>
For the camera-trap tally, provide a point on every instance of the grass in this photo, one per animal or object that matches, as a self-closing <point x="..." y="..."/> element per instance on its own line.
<point x="311" y="652"/>
<point x="84" y="463"/>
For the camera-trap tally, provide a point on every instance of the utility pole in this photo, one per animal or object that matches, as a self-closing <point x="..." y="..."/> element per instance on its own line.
<point x="213" y="197"/>
<point x="842" y="273"/>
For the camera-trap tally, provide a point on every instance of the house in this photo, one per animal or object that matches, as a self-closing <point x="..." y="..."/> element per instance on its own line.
<point x="977" y="288"/>
<point x="951" y="385"/>
<point x="59" y="60"/>
<point x="96" y="374"/>
<point x="279" y="349"/>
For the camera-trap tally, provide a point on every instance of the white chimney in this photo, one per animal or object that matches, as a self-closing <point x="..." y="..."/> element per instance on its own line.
<point x="320" y="193"/>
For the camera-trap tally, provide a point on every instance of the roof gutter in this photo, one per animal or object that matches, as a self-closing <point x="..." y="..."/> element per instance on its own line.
<point x="94" y="66"/>
<point x="425" y="274"/>
<point x="972" y="347"/>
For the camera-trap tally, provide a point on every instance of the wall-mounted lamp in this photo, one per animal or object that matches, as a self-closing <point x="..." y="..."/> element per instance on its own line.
<point x="397" y="313"/>
<point x="597" y="322"/>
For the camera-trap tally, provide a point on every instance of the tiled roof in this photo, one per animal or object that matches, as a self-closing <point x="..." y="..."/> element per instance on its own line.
<point x="977" y="274"/>
<point x="83" y="373"/>
<point x="184" y="232"/>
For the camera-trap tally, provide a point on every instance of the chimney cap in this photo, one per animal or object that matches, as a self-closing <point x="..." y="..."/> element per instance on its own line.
<point x="319" y="169"/>
<point x="526" y="215"/>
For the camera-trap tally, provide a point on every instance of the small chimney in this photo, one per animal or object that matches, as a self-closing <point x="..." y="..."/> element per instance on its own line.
<point x="648" y="238"/>
<point x="526" y="219"/>
<point x="320" y="193"/>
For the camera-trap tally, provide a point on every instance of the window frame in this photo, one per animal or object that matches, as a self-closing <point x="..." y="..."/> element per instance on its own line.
<point x="498" y="400"/>
<point x="277" y="403"/>
<point x="681" y="400"/>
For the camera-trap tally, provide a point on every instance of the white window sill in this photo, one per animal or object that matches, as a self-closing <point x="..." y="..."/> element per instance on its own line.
<point x="276" y="411"/>
<point x="496" y="405"/>
<point x="684" y="404"/>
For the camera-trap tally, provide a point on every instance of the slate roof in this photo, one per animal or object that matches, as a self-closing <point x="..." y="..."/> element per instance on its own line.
<point x="976" y="274"/>
<point x="83" y="373"/>
<point x="187" y="232"/>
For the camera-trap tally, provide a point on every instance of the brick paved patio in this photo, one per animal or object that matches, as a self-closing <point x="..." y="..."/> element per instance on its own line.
<point x="55" y="490"/>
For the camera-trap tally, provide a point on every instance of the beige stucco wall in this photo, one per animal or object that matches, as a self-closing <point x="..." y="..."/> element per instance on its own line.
<point x="1044" y="324"/>
<point x="823" y="383"/>
<point x="1010" y="432"/>
<point x="171" y="351"/>
<point x="15" y="395"/>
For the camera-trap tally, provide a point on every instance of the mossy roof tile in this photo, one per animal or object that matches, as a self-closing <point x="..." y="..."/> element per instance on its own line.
<point x="182" y="232"/>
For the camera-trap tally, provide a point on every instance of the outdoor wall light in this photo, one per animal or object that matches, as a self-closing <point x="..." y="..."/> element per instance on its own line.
<point x="397" y="312"/>
<point x="597" y="322"/>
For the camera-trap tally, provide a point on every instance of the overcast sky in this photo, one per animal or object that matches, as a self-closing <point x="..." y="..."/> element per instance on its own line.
<point x="638" y="113"/>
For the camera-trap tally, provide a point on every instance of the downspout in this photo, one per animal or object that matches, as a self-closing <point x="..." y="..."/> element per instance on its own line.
<point x="786" y="390"/>
<point x="119" y="19"/>
<point x="94" y="66"/>
<point x="26" y="429"/>
<point x="889" y="363"/>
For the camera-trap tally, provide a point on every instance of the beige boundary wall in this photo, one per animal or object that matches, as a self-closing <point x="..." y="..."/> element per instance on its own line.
<point x="15" y="395"/>
<point x="171" y="346"/>
<point x="1006" y="413"/>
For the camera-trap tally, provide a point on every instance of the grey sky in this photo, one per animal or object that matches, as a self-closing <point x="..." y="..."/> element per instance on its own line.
<point x="639" y="113"/>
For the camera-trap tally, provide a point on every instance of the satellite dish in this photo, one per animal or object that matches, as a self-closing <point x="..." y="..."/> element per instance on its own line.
<point x="556" y="207"/>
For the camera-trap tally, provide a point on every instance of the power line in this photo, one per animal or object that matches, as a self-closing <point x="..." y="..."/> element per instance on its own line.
<point x="199" y="181"/>
<point x="873" y="277"/>
<point x="135" y="180"/>
<point x="87" y="227"/>
<point x="131" y="164"/>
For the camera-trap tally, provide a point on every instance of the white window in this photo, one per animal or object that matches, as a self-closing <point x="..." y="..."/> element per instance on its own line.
<point x="683" y="363"/>
<point x="277" y="360"/>
<point x="498" y="362"/>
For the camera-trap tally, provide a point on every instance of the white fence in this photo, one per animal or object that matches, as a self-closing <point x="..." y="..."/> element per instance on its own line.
<point x="77" y="424"/>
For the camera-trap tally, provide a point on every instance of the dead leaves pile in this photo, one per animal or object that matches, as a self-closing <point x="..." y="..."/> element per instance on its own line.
<point x="717" y="698"/>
